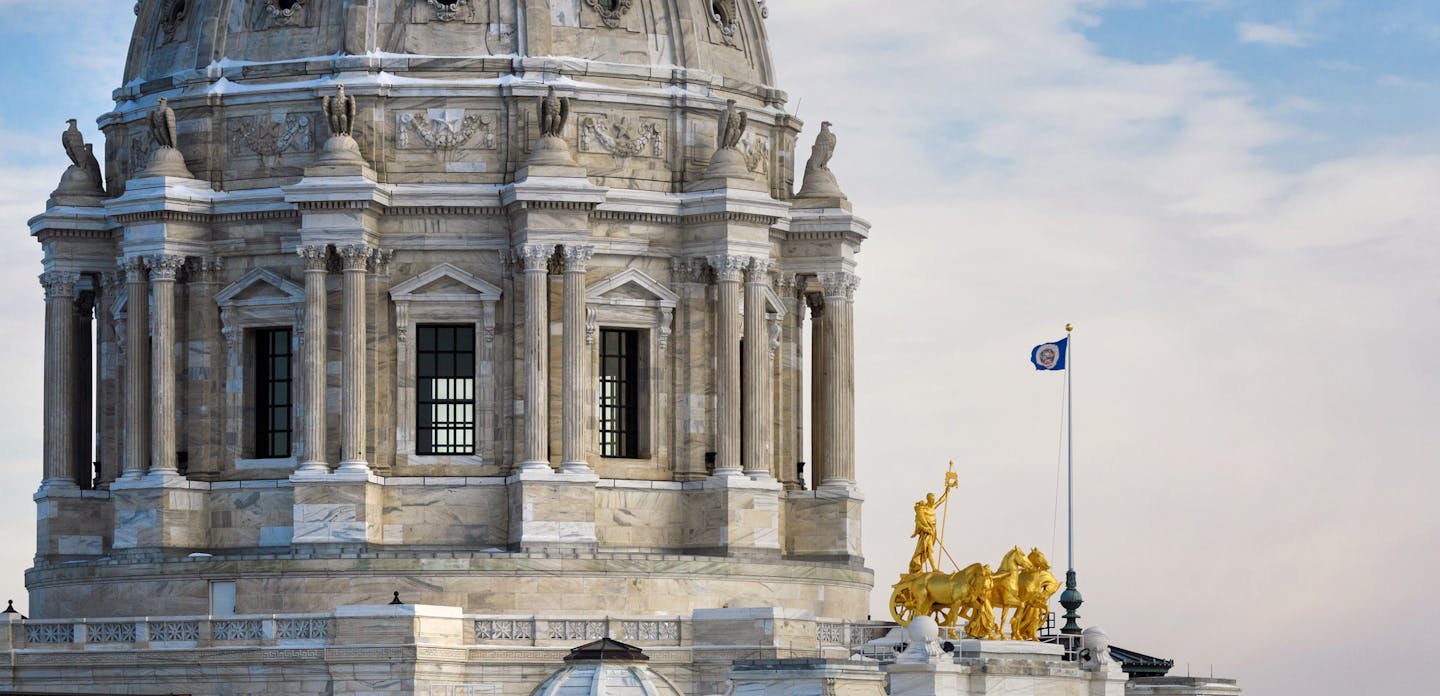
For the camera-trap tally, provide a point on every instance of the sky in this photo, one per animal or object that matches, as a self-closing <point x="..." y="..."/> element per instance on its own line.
<point x="1236" y="204"/>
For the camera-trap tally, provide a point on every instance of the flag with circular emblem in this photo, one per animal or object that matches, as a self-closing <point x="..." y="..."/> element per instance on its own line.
<point x="1050" y="356"/>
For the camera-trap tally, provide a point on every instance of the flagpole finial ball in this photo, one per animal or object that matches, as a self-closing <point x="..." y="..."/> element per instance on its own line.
<point x="1069" y="327"/>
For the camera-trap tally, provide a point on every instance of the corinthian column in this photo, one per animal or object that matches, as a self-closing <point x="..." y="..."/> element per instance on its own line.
<point x="535" y="260"/>
<point x="575" y="367"/>
<point x="728" y="270"/>
<point x="317" y="261"/>
<point x="839" y="362"/>
<point x="355" y="260"/>
<point x="758" y="399"/>
<point x="59" y="378"/>
<point x="137" y="368"/>
<point x="164" y="269"/>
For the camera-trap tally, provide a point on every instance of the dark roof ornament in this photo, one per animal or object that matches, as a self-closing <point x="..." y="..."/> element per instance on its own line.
<point x="397" y="599"/>
<point x="607" y="650"/>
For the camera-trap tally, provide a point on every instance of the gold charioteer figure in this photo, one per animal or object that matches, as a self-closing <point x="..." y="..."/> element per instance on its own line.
<point x="1020" y="586"/>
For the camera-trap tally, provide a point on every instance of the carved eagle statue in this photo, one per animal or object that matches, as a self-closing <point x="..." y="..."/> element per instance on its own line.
<point x="92" y="167"/>
<point x="554" y="113"/>
<point x="74" y="144"/>
<point x="732" y="125"/>
<point x="823" y="149"/>
<point x="340" y="112"/>
<point x="162" y="124"/>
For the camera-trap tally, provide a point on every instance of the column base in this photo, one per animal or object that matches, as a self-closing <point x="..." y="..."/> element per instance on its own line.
<point x="759" y="475"/>
<point x="723" y="472"/>
<point x="313" y="467"/>
<point x="576" y="468"/>
<point x="533" y="465"/>
<point x="161" y="477"/>
<point x="354" y="467"/>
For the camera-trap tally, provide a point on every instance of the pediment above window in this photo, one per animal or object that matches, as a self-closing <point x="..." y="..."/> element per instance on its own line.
<point x="260" y="287"/>
<point x="444" y="283"/>
<point x="631" y="287"/>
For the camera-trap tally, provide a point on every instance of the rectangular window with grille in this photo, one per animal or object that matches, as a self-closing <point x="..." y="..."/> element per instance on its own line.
<point x="445" y="389"/>
<point x="273" y="381"/>
<point x="619" y="393"/>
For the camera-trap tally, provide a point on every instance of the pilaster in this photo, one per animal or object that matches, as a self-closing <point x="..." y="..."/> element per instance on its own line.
<point x="534" y="260"/>
<point x="839" y="362"/>
<point x="59" y="378"/>
<point x="137" y="368"/>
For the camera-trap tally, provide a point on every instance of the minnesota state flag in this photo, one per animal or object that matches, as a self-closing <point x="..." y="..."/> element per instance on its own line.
<point x="1050" y="356"/>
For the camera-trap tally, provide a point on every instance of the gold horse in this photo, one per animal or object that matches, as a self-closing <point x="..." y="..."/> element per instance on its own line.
<point x="947" y="597"/>
<point x="1037" y="586"/>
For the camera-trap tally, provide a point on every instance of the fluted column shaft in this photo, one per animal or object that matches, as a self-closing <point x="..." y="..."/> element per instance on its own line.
<point x="317" y="270"/>
<point x="137" y="369"/>
<point x="355" y="260"/>
<point x="59" y="378"/>
<point x="534" y="259"/>
<point x="575" y="367"/>
<point x="819" y="392"/>
<point x="164" y="270"/>
<point x="728" y="271"/>
<point x="840" y="378"/>
<point x="758" y="398"/>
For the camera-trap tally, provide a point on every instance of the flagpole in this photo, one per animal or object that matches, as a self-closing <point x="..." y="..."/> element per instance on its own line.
<point x="1070" y="598"/>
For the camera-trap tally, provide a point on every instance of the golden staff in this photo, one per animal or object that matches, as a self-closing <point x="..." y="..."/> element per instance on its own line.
<point x="951" y="480"/>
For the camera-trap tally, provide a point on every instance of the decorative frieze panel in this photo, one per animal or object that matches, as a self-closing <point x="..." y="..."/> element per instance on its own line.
<point x="49" y="634"/>
<point x="443" y="131"/>
<point x="830" y="633"/>
<point x="110" y="633"/>
<point x="622" y="137"/>
<point x="650" y="630"/>
<point x="574" y="629"/>
<point x="302" y="629"/>
<point x="260" y="136"/>
<point x="239" y="629"/>
<point x="174" y="630"/>
<point x="504" y="629"/>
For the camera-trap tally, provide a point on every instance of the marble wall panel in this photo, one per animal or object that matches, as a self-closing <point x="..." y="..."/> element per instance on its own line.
<point x="463" y="516"/>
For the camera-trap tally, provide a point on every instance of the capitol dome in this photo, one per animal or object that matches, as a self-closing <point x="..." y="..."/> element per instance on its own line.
<point x="446" y="87"/>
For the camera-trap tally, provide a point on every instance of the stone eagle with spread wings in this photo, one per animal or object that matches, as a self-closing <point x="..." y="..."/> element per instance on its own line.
<point x="340" y="112"/>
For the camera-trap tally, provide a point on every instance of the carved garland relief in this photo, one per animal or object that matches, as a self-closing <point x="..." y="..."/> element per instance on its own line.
<point x="442" y="131"/>
<point x="610" y="11"/>
<point x="265" y="137"/>
<point x="620" y="137"/>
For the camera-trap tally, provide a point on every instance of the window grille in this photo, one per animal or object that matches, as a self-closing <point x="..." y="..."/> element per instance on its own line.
<point x="445" y="389"/>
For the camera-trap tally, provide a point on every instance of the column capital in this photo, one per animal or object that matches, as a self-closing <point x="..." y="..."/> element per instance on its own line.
<point x="208" y="268"/>
<point x="59" y="284"/>
<point x="838" y="285"/>
<point x="693" y="270"/>
<point x="728" y="267"/>
<point x="380" y="261"/>
<point x="134" y="268"/>
<point x="576" y="257"/>
<point x="759" y="270"/>
<point x="164" y="267"/>
<point x="534" y="257"/>
<point x="355" y="257"/>
<point x="315" y="256"/>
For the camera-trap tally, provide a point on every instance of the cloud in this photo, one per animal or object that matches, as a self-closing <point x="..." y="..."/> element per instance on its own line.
<point x="1251" y="378"/>
<point x="1268" y="34"/>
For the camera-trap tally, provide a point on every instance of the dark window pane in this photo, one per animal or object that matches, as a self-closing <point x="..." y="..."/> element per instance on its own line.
<point x="272" y="389"/>
<point x="618" y="393"/>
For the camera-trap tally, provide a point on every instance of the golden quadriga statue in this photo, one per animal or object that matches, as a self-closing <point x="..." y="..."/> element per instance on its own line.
<point x="1020" y="587"/>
